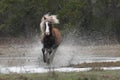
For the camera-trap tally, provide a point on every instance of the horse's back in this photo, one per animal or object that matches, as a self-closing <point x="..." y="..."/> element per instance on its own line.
<point x="57" y="35"/>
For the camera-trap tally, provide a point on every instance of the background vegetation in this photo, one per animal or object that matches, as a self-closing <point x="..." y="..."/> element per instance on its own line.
<point x="96" y="20"/>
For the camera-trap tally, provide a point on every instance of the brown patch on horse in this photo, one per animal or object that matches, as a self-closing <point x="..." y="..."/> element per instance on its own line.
<point x="56" y="33"/>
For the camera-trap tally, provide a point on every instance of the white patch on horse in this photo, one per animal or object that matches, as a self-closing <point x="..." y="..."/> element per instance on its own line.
<point x="47" y="31"/>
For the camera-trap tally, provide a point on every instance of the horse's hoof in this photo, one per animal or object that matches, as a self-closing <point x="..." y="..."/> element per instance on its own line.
<point x="44" y="59"/>
<point x="43" y="50"/>
<point x="48" y="61"/>
<point x="50" y="52"/>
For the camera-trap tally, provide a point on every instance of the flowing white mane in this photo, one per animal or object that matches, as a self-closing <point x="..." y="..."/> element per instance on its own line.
<point x="47" y="17"/>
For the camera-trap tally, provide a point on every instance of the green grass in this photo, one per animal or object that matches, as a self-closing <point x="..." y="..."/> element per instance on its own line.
<point x="90" y="75"/>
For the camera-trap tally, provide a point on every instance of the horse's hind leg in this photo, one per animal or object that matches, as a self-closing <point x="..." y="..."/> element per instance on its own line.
<point x="44" y="57"/>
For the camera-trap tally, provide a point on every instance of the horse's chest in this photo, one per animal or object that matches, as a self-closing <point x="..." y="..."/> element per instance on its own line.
<point x="49" y="41"/>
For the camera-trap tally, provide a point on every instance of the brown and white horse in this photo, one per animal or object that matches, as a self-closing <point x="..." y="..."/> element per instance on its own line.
<point x="50" y="36"/>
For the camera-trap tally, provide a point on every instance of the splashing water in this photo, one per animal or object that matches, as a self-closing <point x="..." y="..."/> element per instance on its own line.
<point x="69" y="52"/>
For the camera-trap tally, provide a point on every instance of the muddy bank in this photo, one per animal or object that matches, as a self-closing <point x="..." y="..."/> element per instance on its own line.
<point x="96" y="64"/>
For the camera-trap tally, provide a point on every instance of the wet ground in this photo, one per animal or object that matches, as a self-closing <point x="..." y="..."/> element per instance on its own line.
<point x="22" y="55"/>
<point x="66" y="54"/>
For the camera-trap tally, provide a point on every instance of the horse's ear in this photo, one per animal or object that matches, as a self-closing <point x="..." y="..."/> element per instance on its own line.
<point x="44" y="18"/>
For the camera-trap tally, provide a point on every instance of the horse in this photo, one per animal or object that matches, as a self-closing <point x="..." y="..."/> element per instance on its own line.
<point x="50" y="36"/>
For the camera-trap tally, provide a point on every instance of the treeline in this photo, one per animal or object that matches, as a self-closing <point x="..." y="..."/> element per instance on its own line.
<point x="96" y="19"/>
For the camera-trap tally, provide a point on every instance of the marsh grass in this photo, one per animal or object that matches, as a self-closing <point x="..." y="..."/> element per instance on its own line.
<point x="89" y="75"/>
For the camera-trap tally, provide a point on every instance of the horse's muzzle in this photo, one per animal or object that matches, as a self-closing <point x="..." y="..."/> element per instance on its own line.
<point x="47" y="33"/>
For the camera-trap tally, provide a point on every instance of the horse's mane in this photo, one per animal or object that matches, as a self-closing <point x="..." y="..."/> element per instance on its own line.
<point x="47" y="17"/>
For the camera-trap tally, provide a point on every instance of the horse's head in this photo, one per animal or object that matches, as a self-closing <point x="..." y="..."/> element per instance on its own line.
<point x="47" y="22"/>
<point x="48" y="28"/>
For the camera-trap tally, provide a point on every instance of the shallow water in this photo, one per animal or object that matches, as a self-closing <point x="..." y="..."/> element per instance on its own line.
<point x="65" y="55"/>
<point x="33" y="69"/>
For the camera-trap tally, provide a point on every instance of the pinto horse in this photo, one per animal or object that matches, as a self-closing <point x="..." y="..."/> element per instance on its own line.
<point x="51" y="37"/>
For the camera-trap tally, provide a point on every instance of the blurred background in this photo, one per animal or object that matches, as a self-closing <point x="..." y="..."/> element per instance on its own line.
<point x="94" y="21"/>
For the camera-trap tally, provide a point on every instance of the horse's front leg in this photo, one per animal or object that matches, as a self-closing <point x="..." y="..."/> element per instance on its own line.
<point x="44" y="57"/>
